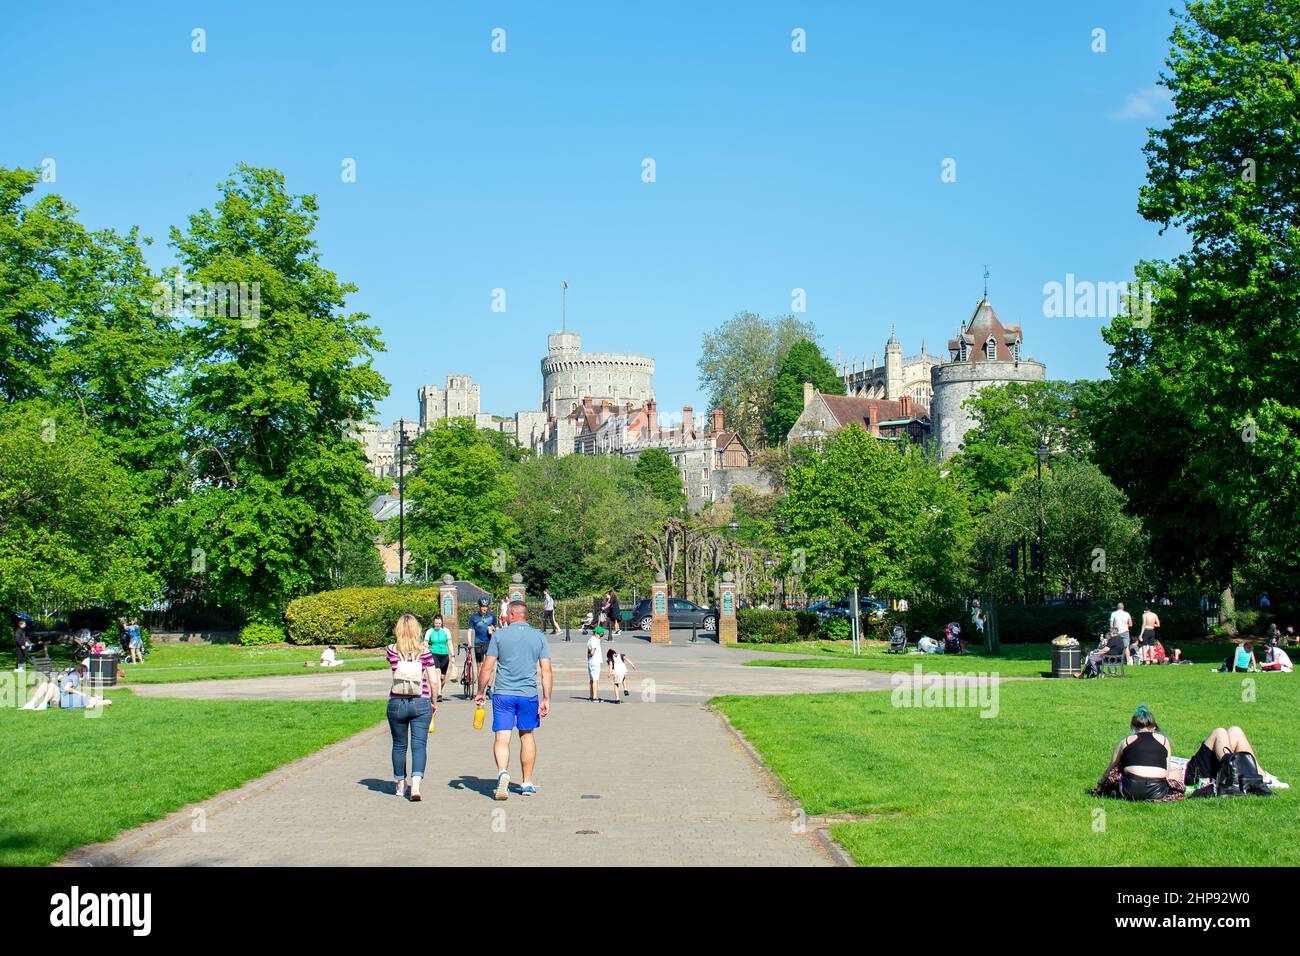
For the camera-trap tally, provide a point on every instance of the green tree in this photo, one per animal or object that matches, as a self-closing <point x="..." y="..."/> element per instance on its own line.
<point x="1198" y="424"/>
<point x="507" y="447"/>
<point x="1010" y="421"/>
<point x="33" y="239"/>
<point x="269" y="388"/>
<point x="738" y="365"/>
<point x="1091" y="545"/>
<point x="878" y="516"/>
<point x="456" y="492"/>
<point x="72" y="524"/>
<point x="579" y="520"/>
<point x="656" y="471"/>
<point x="804" y="362"/>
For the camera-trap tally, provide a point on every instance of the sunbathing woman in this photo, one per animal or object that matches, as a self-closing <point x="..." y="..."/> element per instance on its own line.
<point x="1139" y="768"/>
<point x="1205" y="764"/>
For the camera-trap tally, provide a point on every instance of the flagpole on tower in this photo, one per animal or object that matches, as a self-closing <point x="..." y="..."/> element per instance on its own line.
<point x="564" y="308"/>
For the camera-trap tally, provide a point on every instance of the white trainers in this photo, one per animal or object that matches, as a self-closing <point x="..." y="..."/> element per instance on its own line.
<point x="503" y="786"/>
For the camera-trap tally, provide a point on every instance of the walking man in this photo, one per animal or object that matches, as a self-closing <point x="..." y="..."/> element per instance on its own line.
<point x="510" y="668"/>
<point x="1121" y="623"/>
<point x="548" y="612"/>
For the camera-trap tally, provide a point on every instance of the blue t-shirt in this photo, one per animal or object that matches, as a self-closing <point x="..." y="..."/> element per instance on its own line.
<point x="517" y="649"/>
<point x="70" y="701"/>
<point x="1243" y="658"/>
<point x="479" y="624"/>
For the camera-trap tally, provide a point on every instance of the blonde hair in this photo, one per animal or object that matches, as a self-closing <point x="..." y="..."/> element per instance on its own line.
<point x="410" y="636"/>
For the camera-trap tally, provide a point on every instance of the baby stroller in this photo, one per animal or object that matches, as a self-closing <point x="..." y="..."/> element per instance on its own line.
<point x="897" y="640"/>
<point x="589" y="622"/>
<point x="952" y="639"/>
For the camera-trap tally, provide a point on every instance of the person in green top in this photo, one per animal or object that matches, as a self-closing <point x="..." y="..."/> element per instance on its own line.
<point x="437" y="637"/>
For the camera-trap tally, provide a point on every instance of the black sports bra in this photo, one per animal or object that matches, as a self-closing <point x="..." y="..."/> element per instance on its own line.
<point x="1145" y="751"/>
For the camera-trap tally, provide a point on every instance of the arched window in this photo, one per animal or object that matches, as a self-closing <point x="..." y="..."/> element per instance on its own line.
<point x="991" y="349"/>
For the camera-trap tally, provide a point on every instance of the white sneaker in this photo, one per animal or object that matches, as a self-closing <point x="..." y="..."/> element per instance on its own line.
<point x="503" y="786"/>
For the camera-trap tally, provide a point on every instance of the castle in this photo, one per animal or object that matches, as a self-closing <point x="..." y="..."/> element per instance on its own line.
<point x="919" y="397"/>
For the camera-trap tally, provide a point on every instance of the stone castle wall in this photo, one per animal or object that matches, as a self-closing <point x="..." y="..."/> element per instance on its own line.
<point x="955" y="382"/>
<point x="569" y="375"/>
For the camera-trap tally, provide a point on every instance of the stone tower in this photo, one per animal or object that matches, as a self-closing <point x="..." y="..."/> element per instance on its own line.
<point x="893" y="366"/>
<point x="569" y="375"/>
<point x="985" y="352"/>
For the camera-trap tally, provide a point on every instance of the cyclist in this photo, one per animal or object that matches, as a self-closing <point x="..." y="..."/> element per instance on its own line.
<point x="482" y="625"/>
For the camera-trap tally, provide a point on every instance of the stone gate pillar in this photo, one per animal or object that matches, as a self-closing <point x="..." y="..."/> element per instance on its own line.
<point x="517" y="590"/>
<point x="659" y="632"/>
<point x="727" y="609"/>
<point x="449" y="608"/>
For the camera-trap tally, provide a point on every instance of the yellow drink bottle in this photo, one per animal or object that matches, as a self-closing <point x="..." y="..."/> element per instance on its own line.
<point x="478" y="717"/>
<point x="430" y="725"/>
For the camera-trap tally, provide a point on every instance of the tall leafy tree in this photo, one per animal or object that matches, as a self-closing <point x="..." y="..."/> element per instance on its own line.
<point x="738" y="365"/>
<point x="72" y="523"/>
<point x="1198" y="425"/>
<point x="804" y="362"/>
<point x="875" y="515"/>
<point x="457" y="492"/>
<point x="1010" y="421"/>
<point x="269" y="388"/>
<point x="656" y="471"/>
<point x="34" y="241"/>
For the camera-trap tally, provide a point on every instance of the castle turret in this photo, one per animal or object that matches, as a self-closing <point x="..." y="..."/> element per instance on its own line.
<point x="893" y="367"/>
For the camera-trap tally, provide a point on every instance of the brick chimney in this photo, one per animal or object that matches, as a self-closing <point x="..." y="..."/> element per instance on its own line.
<point x="872" y="418"/>
<point x="716" y="415"/>
<point x="905" y="406"/>
<point x="688" y="426"/>
<point x="808" y="393"/>
<point x="652" y="420"/>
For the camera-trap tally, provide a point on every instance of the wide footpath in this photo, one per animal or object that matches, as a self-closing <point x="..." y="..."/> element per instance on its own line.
<point x="659" y="779"/>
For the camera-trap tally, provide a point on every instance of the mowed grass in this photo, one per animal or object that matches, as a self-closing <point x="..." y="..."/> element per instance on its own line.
<point x="1014" y="660"/>
<point x="70" y="779"/>
<point x="169" y="663"/>
<point x="945" y="787"/>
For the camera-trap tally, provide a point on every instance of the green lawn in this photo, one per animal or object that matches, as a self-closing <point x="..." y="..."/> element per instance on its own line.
<point x="952" y="788"/>
<point x="69" y="780"/>
<point x="168" y="663"/>
<point x="1015" y="660"/>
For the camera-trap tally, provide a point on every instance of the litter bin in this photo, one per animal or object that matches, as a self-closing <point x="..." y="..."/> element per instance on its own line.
<point x="1065" y="661"/>
<point x="101" y="669"/>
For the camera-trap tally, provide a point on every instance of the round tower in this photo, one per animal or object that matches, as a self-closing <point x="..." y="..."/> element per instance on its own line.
<point x="893" y="367"/>
<point x="985" y="352"/>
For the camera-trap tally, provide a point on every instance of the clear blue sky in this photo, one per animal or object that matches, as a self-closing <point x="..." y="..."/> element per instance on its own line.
<point x="477" y="170"/>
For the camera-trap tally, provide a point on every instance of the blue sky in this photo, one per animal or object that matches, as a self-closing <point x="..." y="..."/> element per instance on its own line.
<point x="478" y="170"/>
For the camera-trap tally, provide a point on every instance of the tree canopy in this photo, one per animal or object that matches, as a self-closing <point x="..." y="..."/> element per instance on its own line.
<point x="804" y="362"/>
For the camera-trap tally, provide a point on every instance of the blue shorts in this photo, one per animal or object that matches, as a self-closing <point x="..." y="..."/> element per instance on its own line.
<point x="511" y="712"/>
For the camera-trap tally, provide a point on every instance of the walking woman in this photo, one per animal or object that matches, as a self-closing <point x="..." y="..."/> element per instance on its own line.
<point x="437" y="637"/>
<point x="410" y="701"/>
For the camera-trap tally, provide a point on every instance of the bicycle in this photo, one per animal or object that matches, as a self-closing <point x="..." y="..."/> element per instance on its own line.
<point x="469" y="673"/>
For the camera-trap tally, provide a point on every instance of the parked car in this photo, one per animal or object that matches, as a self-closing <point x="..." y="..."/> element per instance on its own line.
<point x="681" y="613"/>
<point x="840" y="608"/>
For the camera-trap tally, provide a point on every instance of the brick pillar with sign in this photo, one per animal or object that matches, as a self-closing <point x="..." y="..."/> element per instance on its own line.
<point x="727" y="614"/>
<point x="449" y="608"/>
<point x="659" y="611"/>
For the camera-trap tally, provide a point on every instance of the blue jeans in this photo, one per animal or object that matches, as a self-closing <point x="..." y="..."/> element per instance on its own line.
<point x="409" y="714"/>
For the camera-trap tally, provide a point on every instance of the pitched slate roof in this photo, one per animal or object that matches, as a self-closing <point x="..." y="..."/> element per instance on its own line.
<point x="848" y="408"/>
<point x="975" y="333"/>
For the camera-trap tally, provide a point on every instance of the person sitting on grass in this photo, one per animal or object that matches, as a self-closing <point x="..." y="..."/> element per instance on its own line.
<point x="1140" y="768"/>
<point x="1204" y="765"/>
<point x="1242" y="659"/>
<point x="72" y="697"/>
<point x="1277" y="660"/>
<point x="44" y="695"/>
<point x="1157" y="653"/>
<point x="328" y="658"/>
<point x="928" y="645"/>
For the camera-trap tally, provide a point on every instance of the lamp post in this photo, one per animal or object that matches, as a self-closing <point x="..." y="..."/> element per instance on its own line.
<point x="401" y="500"/>
<point x="1043" y="453"/>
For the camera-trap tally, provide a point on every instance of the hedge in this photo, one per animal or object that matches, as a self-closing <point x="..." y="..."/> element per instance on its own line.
<point x="1035" y="623"/>
<point x="365" y="616"/>
<point x="259" y="632"/>
<point x="763" y="626"/>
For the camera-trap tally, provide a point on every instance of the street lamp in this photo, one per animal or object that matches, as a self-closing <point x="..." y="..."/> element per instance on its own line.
<point x="401" y="500"/>
<point x="1043" y="453"/>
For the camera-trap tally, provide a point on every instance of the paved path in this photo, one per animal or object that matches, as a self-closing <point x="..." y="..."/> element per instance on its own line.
<point x="658" y="780"/>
